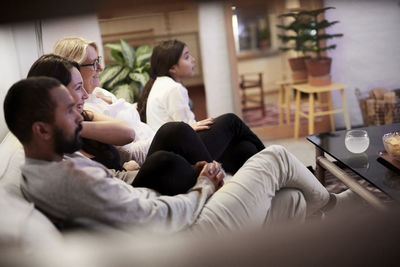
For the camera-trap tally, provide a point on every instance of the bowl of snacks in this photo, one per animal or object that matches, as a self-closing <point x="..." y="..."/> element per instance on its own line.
<point x="391" y="141"/>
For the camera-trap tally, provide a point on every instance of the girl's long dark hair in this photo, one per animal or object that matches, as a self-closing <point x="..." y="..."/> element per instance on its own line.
<point x="164" y="57"/>
<point x="54" y="66"/>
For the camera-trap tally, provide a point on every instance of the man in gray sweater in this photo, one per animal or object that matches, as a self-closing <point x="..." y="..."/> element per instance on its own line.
<point x="67" y="186"/>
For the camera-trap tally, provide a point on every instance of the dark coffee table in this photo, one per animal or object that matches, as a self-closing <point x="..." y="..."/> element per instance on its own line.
<point x="368" y="165"/>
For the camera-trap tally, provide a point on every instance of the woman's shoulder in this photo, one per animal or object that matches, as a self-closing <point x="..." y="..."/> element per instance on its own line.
<point x="166" y="82"/>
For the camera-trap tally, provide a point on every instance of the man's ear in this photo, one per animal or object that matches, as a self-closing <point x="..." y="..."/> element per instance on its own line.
<point x="42" y="130"/>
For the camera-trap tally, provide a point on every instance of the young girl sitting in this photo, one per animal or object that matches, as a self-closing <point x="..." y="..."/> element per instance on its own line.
<point x="165" y="99"/>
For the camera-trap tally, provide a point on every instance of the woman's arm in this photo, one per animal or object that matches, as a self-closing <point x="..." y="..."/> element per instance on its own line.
<point x="108" y="130"/>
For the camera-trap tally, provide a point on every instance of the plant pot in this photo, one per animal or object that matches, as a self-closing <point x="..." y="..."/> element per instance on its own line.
<point x="319" y="70"/>
<point x="298" y="66"/>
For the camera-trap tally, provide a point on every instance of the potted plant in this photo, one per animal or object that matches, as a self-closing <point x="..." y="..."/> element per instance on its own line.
<point x="319" y="66"/>
<point x="263" y="38"/>
<point x="130" y="72"/>
<point x="295" y="37"/>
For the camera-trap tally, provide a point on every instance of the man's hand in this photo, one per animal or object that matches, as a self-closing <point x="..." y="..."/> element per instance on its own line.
<point x="215" y="173"/>
<point x="202" y="125"/>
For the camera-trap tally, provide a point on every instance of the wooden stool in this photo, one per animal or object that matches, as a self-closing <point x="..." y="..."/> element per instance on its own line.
<point x="252" y="80"/>
<point x="285" y="99"/>
<point x="310" y="90"/>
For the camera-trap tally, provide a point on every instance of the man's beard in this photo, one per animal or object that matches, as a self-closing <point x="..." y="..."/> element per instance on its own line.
<point x="63" y="145"/>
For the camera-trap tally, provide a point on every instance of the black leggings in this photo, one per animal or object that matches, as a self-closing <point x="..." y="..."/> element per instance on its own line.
<point x="176" y="147"/>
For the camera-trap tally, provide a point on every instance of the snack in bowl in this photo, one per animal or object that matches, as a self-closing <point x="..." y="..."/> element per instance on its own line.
<point x="391" y="141"/>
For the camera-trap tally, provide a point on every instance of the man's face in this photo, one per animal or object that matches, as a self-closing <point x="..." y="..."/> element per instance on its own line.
<point x="67" y="122"/>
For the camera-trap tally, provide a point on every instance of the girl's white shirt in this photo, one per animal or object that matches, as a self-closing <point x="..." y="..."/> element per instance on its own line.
<point x="168" y="101"/>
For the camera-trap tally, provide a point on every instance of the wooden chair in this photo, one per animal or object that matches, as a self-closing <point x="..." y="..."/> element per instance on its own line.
<point x="250" y="81"/>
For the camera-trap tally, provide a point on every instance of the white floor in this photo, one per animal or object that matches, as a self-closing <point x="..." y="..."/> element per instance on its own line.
<point x="301" y="148"/>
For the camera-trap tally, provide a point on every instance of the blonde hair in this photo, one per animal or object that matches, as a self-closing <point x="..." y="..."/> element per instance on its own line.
<point x="73" y="48"/>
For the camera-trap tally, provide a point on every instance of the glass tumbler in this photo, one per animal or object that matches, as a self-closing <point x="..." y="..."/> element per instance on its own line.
<point x="356" y="141"/>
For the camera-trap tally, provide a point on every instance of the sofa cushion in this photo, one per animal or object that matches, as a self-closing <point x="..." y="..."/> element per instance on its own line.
<point x="23" y="226"/>
<point x="20" y="223"/>
<point x="12" y="156"/>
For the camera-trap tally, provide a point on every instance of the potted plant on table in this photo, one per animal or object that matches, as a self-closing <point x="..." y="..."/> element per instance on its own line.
<point x="130" y="72"/>
<point x="296" y="37"/>
<point x="319" y="66"/>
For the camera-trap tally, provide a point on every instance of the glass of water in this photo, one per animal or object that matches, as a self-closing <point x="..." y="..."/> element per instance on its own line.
<point x="356" y="141"/>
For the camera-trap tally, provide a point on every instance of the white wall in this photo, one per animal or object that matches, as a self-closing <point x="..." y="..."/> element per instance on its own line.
<point x="9" y="68"/>
<point x="20" y="47"/>
<point x="82" y="26"/>
<point x="368" y="55"/>
<point x="215" y="57"/>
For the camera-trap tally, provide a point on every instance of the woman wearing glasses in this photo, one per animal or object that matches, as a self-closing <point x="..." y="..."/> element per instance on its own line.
<point x="100" y="100"/>
<point x="228" y="141"/>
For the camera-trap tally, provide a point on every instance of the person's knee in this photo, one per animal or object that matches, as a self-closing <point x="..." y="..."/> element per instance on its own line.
<point x="176" y="130"/>
<point x="173" y="126"/>
<point x="163" y="158"/>
<point x="277" y="149"/>
<point x="232" y="118"/>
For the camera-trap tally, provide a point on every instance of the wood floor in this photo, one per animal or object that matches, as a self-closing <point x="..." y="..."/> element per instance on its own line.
<point x="273" y="132"/>
<point x="267" y="132"/>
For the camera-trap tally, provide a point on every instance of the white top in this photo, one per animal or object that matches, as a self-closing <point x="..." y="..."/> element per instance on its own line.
<point x="120" y="109"/>
<point x="168" y="101"/>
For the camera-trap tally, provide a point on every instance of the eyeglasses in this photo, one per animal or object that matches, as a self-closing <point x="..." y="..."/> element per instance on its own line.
<point x="95" y="64"/>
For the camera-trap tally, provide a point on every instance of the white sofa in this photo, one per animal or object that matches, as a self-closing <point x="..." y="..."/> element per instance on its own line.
<point x="28" y="238"/>
<point x="21" y="224"/>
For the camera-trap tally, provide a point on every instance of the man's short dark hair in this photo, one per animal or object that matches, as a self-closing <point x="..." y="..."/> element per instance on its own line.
<point x="29" y="101"/>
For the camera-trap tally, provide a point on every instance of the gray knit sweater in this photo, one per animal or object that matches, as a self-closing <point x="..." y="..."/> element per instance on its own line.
<point x="77" y="187"/>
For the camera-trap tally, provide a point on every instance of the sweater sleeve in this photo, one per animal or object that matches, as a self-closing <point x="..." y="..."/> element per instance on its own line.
<point x="177" y="103"/>
<point x="114" y="202"/>
<point x="79" y="191"/>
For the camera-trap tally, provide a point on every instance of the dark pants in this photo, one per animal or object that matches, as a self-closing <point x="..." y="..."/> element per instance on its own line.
<point x="231" y="142"/>
<point x="176" y="147"/>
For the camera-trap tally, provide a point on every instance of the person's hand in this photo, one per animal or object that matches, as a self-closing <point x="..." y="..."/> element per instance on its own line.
<point x="131" y="165"/>
<point x="202" y="125"/>
<point x="105" y="98"/>
<point x="215" y="173"/>
<point x="198" y="167"/>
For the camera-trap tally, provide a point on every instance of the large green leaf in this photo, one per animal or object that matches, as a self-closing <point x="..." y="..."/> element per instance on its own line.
<point x="117" y="57"/>
<point x="126" y="78"/>
<point x="146" y="67"/>
<point x="143" y="54"/>
<point x="114" y="47"/>
<point x="108" y="74"/>
<point x="142" y="78"/>
<point x="124" y="91"/>
<point x="128" y="53"/>
<point x="136" y="89"/>
<point x="119" y="77"/>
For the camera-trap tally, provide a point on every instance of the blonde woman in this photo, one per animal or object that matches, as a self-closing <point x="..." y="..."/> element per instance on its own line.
<point x="87" y="55"/>
<point x="227" y="138"/>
